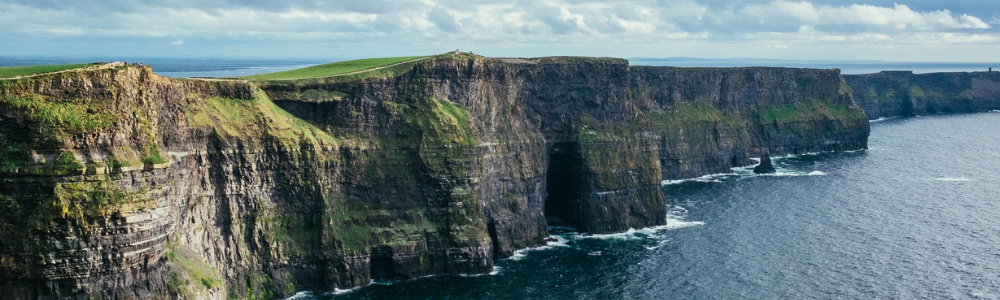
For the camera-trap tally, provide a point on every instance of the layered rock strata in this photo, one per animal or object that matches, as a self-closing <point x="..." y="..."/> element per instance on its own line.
<point x="120" y="184"/>
<point x="904" y="94"/>
<point x="709" y="120"/>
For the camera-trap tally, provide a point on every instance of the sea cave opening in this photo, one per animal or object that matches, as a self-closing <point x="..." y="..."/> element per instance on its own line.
<point x="565" y="180"/>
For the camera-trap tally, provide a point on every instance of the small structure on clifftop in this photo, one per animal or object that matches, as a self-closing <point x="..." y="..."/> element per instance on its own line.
<point x="765" y="166"/>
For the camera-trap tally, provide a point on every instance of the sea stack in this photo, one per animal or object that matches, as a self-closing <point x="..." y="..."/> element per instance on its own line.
<point x="765" y="166"/>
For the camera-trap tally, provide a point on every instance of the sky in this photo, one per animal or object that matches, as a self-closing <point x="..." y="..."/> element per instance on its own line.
<point x="917" y="30"/>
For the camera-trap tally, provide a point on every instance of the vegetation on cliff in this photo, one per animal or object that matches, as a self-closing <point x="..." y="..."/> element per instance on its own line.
<point x="691" y="113"/>
<point x="61" y="116"/>
<point x="811" y="109"/>
<point x="12" y="157"/>
<point x="257" y="119"/>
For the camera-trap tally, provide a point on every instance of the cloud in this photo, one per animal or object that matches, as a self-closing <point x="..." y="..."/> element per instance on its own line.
<point x="575" y="24"/>
<point x="444" y="20"/>
<point x="177" y="42"/>
<point x="777" y="46"/>
<point x="543" y="19"/>
<point x="783" y="15"/>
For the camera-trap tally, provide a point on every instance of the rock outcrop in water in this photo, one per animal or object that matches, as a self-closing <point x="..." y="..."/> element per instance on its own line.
<point x="765" y="166"/>
<point x="120" y="184"/>
<point x="902" y="93"/>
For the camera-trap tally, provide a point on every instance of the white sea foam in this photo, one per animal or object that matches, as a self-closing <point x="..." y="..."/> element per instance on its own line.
<point x="495" y="271"/>
<point x="630" y="234"/>
<point x="707" y="179"/>
<point x="953" y="179"/>
<point x="675" y="220"/>
<point x="658" y="244"/>
<point x="781" y="173"/>
<point x="337" y="291"/>
<point x="301" y="295"/>
<point x="773" y="158"/>
<point x="558" y="242"/>
<point x="784" y="173"/>
<point x="882" y="119"/>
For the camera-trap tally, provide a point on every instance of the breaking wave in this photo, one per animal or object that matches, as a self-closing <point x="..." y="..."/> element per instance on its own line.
<point x="882" y="119"/>
<point x="707" y="179"/>
<point x="553" y="241"/>
<point x="675" y="220"/>
<point x="953" y="179"/>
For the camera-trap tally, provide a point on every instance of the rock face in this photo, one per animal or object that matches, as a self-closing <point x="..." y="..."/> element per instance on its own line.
<point x="902" y="93"/>
<point x="124" y="185"/>
<point x="765" y="166"/>
<point x="708" y="120"/>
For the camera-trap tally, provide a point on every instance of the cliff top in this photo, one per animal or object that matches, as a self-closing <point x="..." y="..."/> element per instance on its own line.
<point x="28" y="71"/>
<point x="392" y="66"/>
<point x="341" y="68"/>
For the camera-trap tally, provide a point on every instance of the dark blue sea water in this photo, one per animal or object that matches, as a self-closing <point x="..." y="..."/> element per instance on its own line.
<point x="917" y="216"/>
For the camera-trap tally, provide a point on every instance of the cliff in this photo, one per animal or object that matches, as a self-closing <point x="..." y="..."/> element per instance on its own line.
<point x="119" y="184"/>
<point x="712" y="119"/>
<point x="902" y="93"/>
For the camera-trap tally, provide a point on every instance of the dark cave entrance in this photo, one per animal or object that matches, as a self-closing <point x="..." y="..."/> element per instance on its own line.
<point x="381" y="264"/>
<point x="566" y="181"/>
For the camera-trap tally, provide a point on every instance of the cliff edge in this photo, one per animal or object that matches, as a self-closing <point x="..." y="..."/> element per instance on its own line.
<point x="121" y="184"/>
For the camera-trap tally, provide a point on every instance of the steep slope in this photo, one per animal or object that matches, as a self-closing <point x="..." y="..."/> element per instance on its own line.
<point x="122" y="184"/>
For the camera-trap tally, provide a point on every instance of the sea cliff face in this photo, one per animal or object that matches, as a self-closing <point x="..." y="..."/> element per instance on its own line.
<point x="120" y="184"/>
<point x="904" y="94"/>
<point x="709" y="120"/>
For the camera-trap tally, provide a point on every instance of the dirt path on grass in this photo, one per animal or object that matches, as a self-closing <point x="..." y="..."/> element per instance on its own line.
<point x="360" y="71"/>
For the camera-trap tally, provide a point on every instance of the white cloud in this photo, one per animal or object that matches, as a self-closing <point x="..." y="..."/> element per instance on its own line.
<point x="777" y="46"/>
<point x="573" y="24"/>
<point x="785" y="14"/>
<point x="177" y="42"/>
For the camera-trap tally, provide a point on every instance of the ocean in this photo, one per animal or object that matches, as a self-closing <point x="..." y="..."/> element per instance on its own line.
<point x="913" y="217"/>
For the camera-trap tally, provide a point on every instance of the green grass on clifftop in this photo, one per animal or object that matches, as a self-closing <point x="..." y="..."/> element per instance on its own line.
<point x="29" y="70"/>
<point x="334" y="69"/>
<point x="255" y="119"/>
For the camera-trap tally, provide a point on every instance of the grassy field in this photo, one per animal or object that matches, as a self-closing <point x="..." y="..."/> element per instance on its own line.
<point x="333" y="69"/>
<point x="28" y="70"/>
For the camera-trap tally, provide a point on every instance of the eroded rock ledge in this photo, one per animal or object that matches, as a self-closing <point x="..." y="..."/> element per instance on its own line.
<point x="120" y="184"/>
